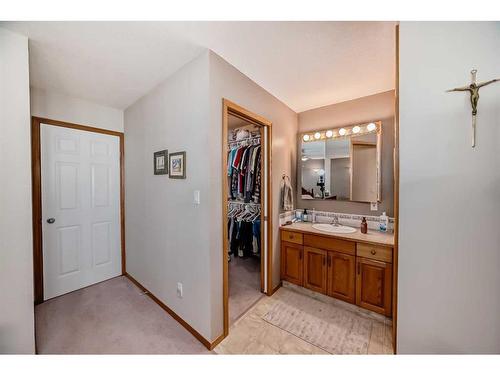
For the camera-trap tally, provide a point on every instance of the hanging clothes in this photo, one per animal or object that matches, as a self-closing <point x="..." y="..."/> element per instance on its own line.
<point x="243" y="171"/>
<point x="256" y="236"/>
<point x="244" y="237"/>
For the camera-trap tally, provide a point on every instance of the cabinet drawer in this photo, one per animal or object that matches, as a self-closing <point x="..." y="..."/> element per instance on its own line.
<point x="292" y="237"/>
<point x="328" y="243"/>
<point x="383" y="254"/>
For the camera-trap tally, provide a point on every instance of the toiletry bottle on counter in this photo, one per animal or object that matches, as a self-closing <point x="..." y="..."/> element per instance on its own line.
<point x="305" y="216"/>
<point x="298" y="215"/>
<point x="364" y="226"/>
<point x="384" y="222"/>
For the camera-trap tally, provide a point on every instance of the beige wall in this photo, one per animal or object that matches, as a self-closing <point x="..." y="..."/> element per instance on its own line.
<point x="168" y="237"/>
<point x="16" y="243"/>
<point x="228" y="82"/>
<point x="449" y="242"/>
<point x="61" y="107"/>
<point x="362" y="110"/>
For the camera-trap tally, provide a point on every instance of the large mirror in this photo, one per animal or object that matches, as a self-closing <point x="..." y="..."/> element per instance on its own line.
<point x="342" y="164"/>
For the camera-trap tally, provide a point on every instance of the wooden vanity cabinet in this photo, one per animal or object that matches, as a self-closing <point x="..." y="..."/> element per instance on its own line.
<point x="355" y="272"/>
<point x="341" y="276"/>
<point x="374" y="285"/>
<point x="315" y="269"/>
<point x="291" y="262"/>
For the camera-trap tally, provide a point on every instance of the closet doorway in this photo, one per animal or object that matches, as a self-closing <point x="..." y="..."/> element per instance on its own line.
<point x="246" y="210"/>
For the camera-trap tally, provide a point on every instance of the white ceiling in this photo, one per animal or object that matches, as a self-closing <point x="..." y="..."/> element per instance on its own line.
<point x="304" y="64"/>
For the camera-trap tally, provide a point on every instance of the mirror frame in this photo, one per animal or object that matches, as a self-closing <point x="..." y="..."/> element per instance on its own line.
<point x="336" y="133"/>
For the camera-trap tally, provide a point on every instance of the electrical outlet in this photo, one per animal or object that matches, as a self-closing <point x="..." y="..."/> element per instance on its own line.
<point x="179" y="290"/>
<point x="374" y="206"/>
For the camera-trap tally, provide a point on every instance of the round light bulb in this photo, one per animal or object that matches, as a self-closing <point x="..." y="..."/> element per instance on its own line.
<point x="356" y="129"/>
<point x="371" y="126"/>
<point x="317" y="135"/>
<point x="329" y="134"/>
<point x="342" y="131"/>
<point x="305" y="137"/>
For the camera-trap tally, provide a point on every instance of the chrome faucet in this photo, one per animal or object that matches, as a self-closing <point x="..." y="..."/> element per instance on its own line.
<point x="335" y="220"/>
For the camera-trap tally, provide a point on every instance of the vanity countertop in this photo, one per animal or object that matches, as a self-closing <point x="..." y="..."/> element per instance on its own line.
<point x="372" y="237"/>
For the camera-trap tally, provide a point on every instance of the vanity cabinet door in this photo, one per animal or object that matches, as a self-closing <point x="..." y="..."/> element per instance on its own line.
<point x="291" y="262"/>
<point x="373" y="285"/>
<point x="315" y="270"/>
<point x="341" y="276"/>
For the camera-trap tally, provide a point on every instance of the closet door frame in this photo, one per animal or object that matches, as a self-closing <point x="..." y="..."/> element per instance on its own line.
<point x="228" y="107"/>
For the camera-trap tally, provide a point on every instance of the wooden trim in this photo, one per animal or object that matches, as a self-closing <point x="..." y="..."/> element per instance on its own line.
<point x="172" y="313"/>
<point x="225" y="234"/>
<point x="217" y="341"/>
<point x="269" y="211"/>
<point x="245" y="114"/>
<point x="396" y="203"/>
<point x="36" y="176"/>
<point x="262" y="244"/>
<point x="280" y="284"/>
<point x="229" y="107"/>
<point x="77" y="126"/>
<point x="36" y="193"/>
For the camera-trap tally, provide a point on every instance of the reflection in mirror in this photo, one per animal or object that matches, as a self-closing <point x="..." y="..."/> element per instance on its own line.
<point x="342" y="164"/>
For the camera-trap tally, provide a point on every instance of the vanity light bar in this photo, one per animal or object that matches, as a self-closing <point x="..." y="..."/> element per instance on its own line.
<point x="342" y="132"/>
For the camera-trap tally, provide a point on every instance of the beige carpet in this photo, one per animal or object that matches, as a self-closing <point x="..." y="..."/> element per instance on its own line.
<point x="244" y="285"/>
<point x="112" y="317"/>
<point x="333" y="329"/>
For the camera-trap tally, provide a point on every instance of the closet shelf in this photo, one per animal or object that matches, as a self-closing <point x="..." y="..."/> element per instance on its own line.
<point x="248" y="140"/>
<point x="243" y="203"/>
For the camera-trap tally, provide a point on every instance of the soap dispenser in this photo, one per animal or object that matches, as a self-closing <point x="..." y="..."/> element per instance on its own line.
<point x="364" y="226"/>
<point x="384" y="221"/>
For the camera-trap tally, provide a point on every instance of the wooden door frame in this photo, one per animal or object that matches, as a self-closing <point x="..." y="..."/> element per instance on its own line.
<point x="36" y="179"/>
<point x="228" y="107"/>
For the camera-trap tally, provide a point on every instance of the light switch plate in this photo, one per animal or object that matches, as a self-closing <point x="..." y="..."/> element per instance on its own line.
<point x="179" y="290"/>
<point x="196" y="197"/>
<point x="374" y="206"/>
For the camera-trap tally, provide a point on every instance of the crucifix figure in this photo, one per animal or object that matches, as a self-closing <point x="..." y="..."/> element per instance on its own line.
<point x="473" y="90"/>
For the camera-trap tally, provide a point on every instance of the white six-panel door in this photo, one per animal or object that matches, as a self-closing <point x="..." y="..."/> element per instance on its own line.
<point x="81" y="195"/>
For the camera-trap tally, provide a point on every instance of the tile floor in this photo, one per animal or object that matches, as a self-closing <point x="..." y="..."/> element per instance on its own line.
<point x="251" y="334"/>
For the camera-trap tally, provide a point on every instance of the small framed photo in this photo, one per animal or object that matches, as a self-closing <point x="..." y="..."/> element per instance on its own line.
<point x="160" y="162"/>
<point x="177" y="164"/>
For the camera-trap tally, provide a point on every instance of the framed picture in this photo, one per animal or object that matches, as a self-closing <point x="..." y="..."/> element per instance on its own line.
<point x="177" y="165"/>
<point x="160" y="162"/>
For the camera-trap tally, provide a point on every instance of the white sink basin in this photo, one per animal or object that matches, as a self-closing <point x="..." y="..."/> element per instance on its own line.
<point x="334" y="228"/>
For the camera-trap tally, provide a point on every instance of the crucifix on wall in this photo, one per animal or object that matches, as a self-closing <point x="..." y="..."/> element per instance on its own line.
<point x="473" y="90"/>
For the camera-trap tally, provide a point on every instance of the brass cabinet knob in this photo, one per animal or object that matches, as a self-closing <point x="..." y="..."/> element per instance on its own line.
<point x="373" y="252"/>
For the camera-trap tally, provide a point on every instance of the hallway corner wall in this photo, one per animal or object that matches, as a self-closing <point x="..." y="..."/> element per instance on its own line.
<point x="228" y="82"/>
<point x="167" y="235"/>
<point x="16" y="243"/>
<point x="169" y="239"/>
